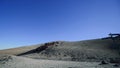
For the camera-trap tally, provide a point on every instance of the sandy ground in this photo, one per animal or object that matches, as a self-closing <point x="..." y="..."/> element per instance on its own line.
<point x="22" y="62"/>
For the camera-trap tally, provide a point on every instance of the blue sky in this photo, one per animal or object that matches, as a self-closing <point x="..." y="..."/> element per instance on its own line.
<point x="27" y="22"/>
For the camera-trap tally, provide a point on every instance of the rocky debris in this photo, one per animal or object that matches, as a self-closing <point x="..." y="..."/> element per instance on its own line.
<point x="103" y="62"/>
<point x="46" y="45"/>
<point x="5" y="58"/>
<point x="115" y="60"/>
<point x="41" y="48"/>
<point x="116" y="65"/>
<point x="52" y="43"/>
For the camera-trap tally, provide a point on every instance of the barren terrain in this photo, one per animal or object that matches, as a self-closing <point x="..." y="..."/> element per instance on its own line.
<point x="96" y="53"/>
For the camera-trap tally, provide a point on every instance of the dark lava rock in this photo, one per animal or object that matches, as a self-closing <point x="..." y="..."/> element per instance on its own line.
<point x="103" y="62"/>
<point x="116" y="65"/>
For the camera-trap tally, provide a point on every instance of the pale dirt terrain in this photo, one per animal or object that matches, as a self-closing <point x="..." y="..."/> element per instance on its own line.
<point x="15" y="51"/>
<point x="22" y="62"/>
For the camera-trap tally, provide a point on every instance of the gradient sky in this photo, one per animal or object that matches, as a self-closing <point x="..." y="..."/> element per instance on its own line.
<point x="27" y="22"/>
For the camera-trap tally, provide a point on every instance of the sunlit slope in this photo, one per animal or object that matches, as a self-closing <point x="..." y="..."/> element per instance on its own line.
<point x="88" y="50"/>
<point x="15" y="51"/>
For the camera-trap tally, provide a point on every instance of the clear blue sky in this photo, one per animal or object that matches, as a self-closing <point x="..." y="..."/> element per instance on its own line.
<point x="27" y="22"/>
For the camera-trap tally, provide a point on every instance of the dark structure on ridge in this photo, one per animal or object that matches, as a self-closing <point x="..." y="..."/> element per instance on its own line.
<point x="115" y="38"/>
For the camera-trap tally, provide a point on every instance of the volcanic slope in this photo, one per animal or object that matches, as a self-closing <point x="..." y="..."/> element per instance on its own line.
<point x="88" y="50"/>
